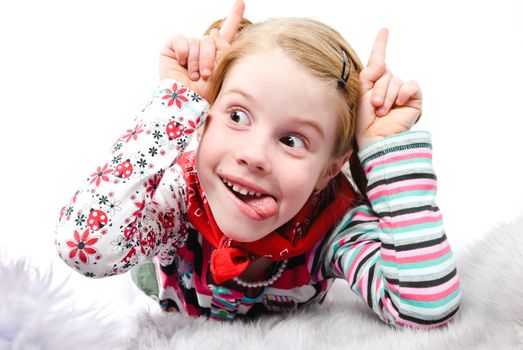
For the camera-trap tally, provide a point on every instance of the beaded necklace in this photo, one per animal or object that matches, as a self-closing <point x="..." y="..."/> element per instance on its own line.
<point x="265" y="283"/>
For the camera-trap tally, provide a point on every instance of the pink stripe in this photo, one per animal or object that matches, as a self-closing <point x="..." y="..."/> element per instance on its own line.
<point x="377" y="292"/>
<point x="362" y="284"/>
<point x="407" y="182"/>
<point x="354" y="245"/>
<point x="358" y="259"/>
<point x="363" y="216"/>
<point x="414" y="252"/>
<point x="416" y="258"/>
<point x="405" y="223"/>
<point x="390" y="191"/>
<point x="412" y="216"/>
<point x="398" y="156"/>
<point x="423" y="326"/>
<point x="388" y="305"/>
<point x="427" y="294"/>
<point x="387" y="302"/>
<point x="222" y="306"/>
<point x="337" y="269"/>
<point x="431" y="297"/>
<point x="400" y="184"/>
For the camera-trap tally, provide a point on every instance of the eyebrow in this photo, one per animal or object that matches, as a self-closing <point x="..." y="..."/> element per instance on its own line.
<point x="312" y="123"/>
<point x="240" y="92"/>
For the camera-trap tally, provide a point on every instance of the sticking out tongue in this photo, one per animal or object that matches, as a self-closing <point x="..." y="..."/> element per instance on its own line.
<point x="264" y="205"/>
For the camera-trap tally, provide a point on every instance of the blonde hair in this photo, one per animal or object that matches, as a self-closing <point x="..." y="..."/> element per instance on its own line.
<point x="316" y="47"/>
<point x="244" y="23"/>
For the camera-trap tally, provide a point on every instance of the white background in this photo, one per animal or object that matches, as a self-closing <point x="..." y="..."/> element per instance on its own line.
<point x="74" y="73"/>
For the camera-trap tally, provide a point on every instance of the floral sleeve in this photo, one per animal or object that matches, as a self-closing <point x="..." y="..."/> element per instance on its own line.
<point x="130" y="206"/>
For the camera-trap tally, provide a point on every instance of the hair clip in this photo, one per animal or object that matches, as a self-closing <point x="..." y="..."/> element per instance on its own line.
<point x="342" y="81"/>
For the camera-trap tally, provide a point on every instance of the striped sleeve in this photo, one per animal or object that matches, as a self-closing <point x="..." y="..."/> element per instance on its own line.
<point x="394" y="252"/>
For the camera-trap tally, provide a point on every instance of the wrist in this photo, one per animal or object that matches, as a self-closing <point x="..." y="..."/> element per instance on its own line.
<point x="174" y="95"/>
<point x="367" y="141"/>
<point x="395" y="142"/>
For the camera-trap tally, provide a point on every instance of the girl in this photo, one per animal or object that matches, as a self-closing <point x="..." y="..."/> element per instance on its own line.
<point x="260" y="219"/>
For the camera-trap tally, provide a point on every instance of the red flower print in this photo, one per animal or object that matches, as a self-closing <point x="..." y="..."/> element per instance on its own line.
<point x="129" y="256"/>
<point x="81" y="246"/>
<point x="140" y="206"/>
<point x="190" y="129"/>
<point x="152" y="184"/>
<point x="130" y="230"/>
<point x="101" y="174"/>
<point x="132" y="134"/>
<point x="175" y="96"/>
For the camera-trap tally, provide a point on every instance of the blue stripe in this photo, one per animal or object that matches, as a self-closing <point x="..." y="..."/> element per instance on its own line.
<point x="430" y="304"/>
<point x="420" y="264"/>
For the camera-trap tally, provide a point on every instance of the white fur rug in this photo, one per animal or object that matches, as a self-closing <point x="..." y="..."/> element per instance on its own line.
<point x="34" y="315"/>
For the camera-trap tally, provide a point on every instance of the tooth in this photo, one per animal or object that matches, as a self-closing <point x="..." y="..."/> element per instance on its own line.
<point x="251" y="193"/>
<point x="243" y="191"/>
<point x="229" y="183"/>
<point x="258" y="194"/>
<point x="235" y="188"/>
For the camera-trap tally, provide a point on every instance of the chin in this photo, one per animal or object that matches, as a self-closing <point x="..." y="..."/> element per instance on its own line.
<point x="241" y="232"/>
<point x="235" y="225"/>
<point x="243" y="237"/>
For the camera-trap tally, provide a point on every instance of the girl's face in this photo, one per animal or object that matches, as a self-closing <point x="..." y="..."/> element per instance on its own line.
<point x="267" y="144"/>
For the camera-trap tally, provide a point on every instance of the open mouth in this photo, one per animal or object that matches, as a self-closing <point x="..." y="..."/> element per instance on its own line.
<point x="263" y="204"/>
<point x="239" y="190"/>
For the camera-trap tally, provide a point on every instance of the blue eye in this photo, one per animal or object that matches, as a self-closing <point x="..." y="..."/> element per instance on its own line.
<point x="239" y="117"/>
<point x="293" y="141"/>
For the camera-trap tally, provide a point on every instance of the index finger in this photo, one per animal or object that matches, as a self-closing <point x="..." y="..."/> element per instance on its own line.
<point x="231" y="24"/>
<point x="377" y="56"/>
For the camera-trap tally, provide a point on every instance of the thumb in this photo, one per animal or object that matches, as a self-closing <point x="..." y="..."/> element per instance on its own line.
<point x="221" y="44"/>
<point x="219" y="40"/>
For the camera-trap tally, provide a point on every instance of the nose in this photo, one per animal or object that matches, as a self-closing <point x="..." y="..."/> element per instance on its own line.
<point x="254" y="155"/>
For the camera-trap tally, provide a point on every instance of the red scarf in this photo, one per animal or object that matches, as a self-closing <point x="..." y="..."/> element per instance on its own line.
<point x="300" y="234"/>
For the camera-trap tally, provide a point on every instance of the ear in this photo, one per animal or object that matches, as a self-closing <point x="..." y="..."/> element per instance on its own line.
<point x="332" y="171"/>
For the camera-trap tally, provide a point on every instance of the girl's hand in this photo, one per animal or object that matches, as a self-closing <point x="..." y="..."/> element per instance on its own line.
<point x="190" y="61"/>
<point x="387" y="105"/>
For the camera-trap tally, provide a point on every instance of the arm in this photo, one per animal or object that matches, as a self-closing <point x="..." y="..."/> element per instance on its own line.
<point x="129" y="207"/>
<point x="394" y="253"/>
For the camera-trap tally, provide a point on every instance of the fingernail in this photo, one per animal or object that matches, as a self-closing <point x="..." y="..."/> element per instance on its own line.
<point x="206" y="72"/>
<point x="377" y="98"/>
<point x="381" y="111"/>
<point x="195" y="75"/>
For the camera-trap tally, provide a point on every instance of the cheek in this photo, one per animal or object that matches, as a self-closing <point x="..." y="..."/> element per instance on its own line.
<point x="300" y="183"/>
<point x="203" y="154"/>
<point x="206" y="137"/>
